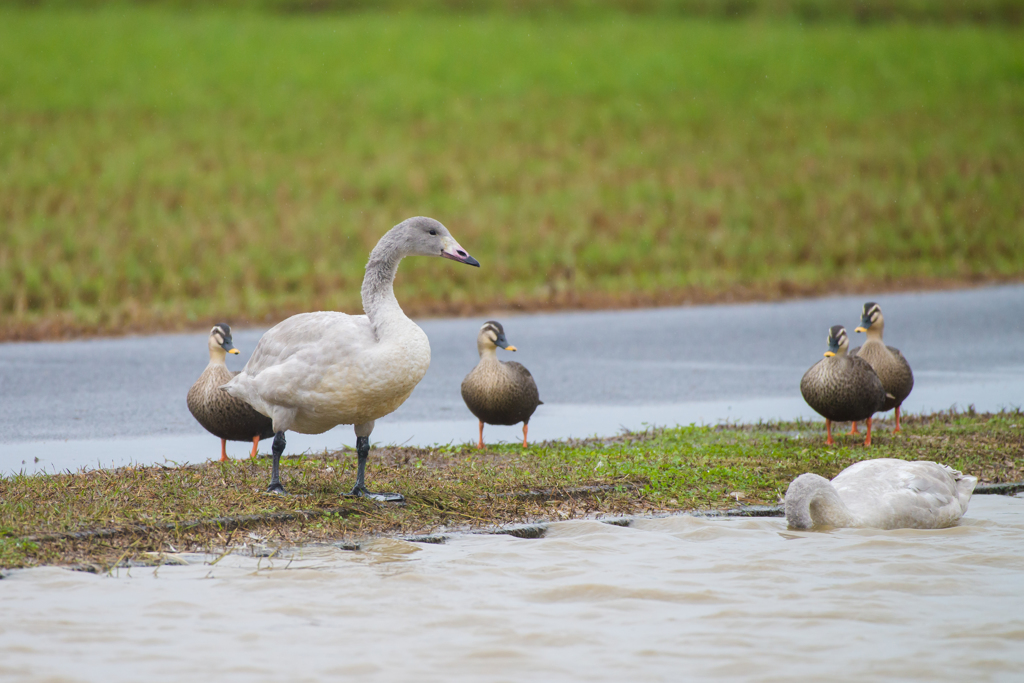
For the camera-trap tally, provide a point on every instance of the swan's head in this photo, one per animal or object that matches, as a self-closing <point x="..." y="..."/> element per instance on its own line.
<point x="491" y="336"/>
<point x="871" y="318"/>
<point x="220" y="340"/>
<point x="838" y="342"/>
<point x="422" y="236"/>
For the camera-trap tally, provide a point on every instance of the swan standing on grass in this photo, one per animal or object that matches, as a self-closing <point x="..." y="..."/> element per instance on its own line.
<point x="881" y="494"/>
<point x="315" y="371"/>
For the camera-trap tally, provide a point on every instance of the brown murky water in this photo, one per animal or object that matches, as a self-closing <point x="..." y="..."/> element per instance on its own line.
<point x="670" y="599"/>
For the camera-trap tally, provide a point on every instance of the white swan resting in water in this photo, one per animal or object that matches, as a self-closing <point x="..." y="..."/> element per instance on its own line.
<point x="315" y="371"/>
<point x="885" y="493"/>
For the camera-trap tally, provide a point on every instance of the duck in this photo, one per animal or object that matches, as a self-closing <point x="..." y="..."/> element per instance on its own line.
<point x="890" y="365"/>
<point x="314" y="371"/>
<point x="840" y="387"/>
<point x="222" y="415"/>
<point x="885" y="493"/>
<point x="499" y="392"/>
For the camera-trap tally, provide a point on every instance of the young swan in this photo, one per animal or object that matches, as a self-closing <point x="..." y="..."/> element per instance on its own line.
<point x="842" y="388"/>
<point x="220" y="414"/>
<point x="882" y="494"/>
<point x="890" y="365"/>
<point x="315" y="371"/>
<point x="499" y="392"/>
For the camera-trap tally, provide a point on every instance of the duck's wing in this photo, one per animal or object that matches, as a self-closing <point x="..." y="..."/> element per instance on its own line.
<point x="524" y="380"/>
<point x="903" y="362"/>
<point x="897" y="494"/>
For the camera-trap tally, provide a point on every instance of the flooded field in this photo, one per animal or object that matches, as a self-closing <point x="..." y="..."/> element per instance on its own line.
<point x="662" y="599"/>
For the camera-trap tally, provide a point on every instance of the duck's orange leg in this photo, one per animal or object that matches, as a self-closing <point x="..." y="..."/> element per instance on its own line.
<point x="223" y="450"/>
<point x="526" y="427"/>
<point x="255" y="443"/>
<point x="867" y="441"/>
<point x="828" y="430"/>
<point x="481" y="443"/>
<point x="853" y="427"/>
<point x="897" y="420"/>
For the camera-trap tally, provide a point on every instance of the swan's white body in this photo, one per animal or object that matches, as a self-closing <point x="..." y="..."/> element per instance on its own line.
<point x="315" y="371"/>
<point x="882" y="494"/>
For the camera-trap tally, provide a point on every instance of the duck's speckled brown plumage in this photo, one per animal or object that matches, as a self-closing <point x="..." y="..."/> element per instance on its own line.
<point x="222" y="415"/>
<point x="843" y="389"/>
<point x="892" y="369"/>
<point x="500" y="392"/>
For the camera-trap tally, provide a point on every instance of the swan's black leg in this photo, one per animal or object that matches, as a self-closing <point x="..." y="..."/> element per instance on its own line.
<point x="275" y="480"/>
<point x="363" y="449"/>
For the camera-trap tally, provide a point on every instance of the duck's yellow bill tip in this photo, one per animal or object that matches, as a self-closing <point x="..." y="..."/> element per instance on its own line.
<point x="511" y="348"/>
<point x="829" y="354"/>
<point x="234" y="351"/>
<point x="860" y="329"/>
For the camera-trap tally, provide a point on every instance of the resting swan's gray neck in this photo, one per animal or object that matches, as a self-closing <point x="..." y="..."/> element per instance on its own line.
<point x="812" y="501"/>
<point x="378" y="291"/>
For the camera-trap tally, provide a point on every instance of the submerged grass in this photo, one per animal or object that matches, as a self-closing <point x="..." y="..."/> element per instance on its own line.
<point x="99" y="518"/>
<point x="165" y="168"/>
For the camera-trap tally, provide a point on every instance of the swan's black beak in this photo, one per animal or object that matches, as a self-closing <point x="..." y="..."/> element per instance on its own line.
<point x="455" y="252"/>
<point x="461" y="257"/>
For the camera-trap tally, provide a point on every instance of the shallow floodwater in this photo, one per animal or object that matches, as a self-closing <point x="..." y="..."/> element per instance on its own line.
<point x="667" y="599"/>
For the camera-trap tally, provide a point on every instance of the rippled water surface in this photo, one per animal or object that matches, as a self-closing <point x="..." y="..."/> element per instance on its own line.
<point x="665" y="599"/>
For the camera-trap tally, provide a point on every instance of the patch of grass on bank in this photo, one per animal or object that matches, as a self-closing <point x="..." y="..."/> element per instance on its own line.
<point x="162" y="169"/>
<point x="153" y="509"/>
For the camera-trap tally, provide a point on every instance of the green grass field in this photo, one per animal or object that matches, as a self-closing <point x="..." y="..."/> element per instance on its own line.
<point x="163" y="168"/>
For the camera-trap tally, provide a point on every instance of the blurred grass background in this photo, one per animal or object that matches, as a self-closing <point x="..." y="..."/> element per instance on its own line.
<point x="168" y="163"/>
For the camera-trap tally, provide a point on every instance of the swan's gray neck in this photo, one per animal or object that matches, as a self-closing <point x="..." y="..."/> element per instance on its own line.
<point x="812" y="501"/>
<point x="378" y="291"/>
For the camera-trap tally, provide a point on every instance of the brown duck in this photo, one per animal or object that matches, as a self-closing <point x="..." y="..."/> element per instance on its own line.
<point x="842" y="388"/>
<point x="499" y="392"/>
<point x="890" y="365"/>
<point x="220" y="414"/>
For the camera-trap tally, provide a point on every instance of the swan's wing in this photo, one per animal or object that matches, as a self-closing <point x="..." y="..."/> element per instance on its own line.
<point x="894" y="494"/>
<point x="293" y="357"/>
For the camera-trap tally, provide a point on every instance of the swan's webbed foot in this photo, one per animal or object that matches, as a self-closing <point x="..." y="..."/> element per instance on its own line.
<point x="363" y="492"/>
<point x="277" y="490"/>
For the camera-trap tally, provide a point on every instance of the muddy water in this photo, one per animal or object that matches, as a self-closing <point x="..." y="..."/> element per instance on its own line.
<point x="668" y="599"/>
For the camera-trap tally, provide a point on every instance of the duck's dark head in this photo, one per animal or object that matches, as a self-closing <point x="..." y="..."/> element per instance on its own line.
<point x="838" y="342"/>
<point x="871" y="318"/>
<point x="220" y="338"/>
<point x="491" y="336"/>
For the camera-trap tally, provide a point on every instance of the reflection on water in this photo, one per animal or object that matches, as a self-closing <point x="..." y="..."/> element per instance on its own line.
<point x="663" y="599"/>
